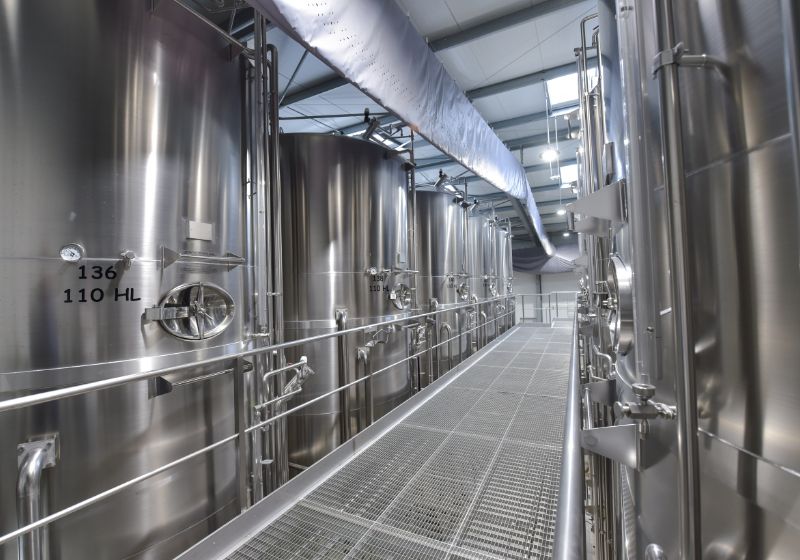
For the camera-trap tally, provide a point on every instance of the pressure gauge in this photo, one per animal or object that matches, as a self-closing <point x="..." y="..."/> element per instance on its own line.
<point x="72" y="252"/>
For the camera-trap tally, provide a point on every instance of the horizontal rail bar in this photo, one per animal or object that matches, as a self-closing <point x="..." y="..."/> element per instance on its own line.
<point x="76" y="390"/>
<point x="362" y="379"/>
<point x="111" y="491"/>
<point x="570" y="531"/>
<point x="123" y="486"/>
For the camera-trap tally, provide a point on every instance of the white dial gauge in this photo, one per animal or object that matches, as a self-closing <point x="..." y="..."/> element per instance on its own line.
<point x="72" y="252"/>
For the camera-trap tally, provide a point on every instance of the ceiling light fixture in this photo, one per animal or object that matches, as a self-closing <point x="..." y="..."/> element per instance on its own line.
<point x="561" y="212"/>
<point x="565" y="234"/>
<point x="549" y="154"/>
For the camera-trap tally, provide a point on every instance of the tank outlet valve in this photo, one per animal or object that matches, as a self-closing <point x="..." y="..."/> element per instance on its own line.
<point x="127" y="258"/>
<point x="645" y="408"/>
<point x="375" y="271"/>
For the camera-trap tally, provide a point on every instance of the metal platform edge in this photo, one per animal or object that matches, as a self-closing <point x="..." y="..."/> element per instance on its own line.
<point x="239" y="530"/>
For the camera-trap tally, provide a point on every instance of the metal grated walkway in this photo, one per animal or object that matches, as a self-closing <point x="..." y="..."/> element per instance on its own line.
<point x="471" y="474"/>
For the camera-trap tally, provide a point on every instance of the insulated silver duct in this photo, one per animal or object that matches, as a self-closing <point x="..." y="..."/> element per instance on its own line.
<point x="375" y="46"/>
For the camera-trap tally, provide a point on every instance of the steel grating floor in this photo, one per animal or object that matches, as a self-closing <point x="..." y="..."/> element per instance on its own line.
<point x="471" y="474"/>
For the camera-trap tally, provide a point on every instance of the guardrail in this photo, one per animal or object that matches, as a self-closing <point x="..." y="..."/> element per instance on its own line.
<point x="242" y="429"/>
<point x="570" y="534"/>
<point x="547" y="307"/>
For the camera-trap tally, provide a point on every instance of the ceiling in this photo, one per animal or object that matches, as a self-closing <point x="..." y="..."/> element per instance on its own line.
<point x="498" y="52"/>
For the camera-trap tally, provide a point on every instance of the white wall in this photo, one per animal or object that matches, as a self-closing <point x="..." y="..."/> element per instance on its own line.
<point x="559" y="282"/>
<point x="529" y="283"/>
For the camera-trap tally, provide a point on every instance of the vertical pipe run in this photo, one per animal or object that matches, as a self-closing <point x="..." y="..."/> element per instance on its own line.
<point x="411" y="212"/>
<point x="790" y="13"/>
<point x="672" y="157"/>
<point x="344" y="396"/>
<point x="261" y="444"/>
<point x="448" y="335"/>
<point x="242" y="461"/>
<point x="279" y="428"/>
<point x="32" y="458"/>
<point x="362" y="357"/>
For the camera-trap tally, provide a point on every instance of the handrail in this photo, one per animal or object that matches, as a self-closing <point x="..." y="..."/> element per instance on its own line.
<point x="569" y="541"/>
<point x="76" y="390"/>
<point x="49" y="396"/>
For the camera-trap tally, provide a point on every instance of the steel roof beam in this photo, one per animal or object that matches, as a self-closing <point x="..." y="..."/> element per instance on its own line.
<point x="318" y="88"/>
<point x="522" y="81"/>
<point x="533" y="117"/>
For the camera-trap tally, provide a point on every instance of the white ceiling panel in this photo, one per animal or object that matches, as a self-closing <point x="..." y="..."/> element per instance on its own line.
<point x="463" y="66"/>
<point x="491" y="108"/>
<point x="559" y="33"/>
<point x="521" y="130"/>
<point x="431" y="18"/>
<point x="472" y="12"/>
<point x="529" y="99"/>
<point x="509" y="53"/>
<point x="289" y="52"/>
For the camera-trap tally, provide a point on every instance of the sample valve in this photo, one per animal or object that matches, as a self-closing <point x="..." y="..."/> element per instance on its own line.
<point x="645" y="408"/>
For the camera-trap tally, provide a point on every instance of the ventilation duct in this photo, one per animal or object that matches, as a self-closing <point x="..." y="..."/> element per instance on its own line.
<point x="373" y="44"/>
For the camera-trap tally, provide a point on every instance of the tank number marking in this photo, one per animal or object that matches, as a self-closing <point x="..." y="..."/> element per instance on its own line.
<point x="97" y="295"/>
<point x="97" y="272"/>
<point x="377" y="283"/>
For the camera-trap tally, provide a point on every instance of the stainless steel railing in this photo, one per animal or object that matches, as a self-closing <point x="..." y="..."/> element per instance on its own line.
<point x="570" y="542"/>
<point x="240" y="437"/>
<point x="547" y="307"/>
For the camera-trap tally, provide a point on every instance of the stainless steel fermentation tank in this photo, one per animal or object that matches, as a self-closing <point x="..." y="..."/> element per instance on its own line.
<point x="699" y="296"/>
<point x="504" y="273"/>
<point x="121" y="158"/>
<point x="443" y="279"/>
<point x="345" y="265"/>
<point x="482" y="266"/>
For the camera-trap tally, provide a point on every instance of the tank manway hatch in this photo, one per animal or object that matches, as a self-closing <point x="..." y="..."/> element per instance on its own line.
<point x="194" y="311"/>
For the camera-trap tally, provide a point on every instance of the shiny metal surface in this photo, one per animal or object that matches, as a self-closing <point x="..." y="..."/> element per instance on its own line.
<point x="481" y="267"/>
<point x="649" y="503"/>
<point x="620" y="289"/>
<point x="728" y="218"/>
<point x="570" y="527"/>
<point x="742" y="329"/>
<point x="442" y="265"/>
<point x="345" y="247"/>
<point x="122" y="133"/>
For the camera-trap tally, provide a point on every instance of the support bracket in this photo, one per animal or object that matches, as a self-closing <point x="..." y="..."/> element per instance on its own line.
<point x="618" y="443"/>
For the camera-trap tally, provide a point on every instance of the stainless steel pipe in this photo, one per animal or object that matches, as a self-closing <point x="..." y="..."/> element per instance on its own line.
<point x="673" y="165"/>
<point x="570" y="531"/>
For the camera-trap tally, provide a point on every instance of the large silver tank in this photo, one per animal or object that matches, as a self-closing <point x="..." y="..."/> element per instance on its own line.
<point x="737" y="150"/>
<point x="345" y="247"/>
<point x="121" y="132"/>
<point x="503" y="272"/>
<point x="481" y="267"/>
<point x="441" y="261"/>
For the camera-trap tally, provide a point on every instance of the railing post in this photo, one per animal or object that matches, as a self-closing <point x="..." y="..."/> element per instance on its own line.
<point x="242" y="471"/>
<point x="344" y="396"/>
<point x="362" y="356"/>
